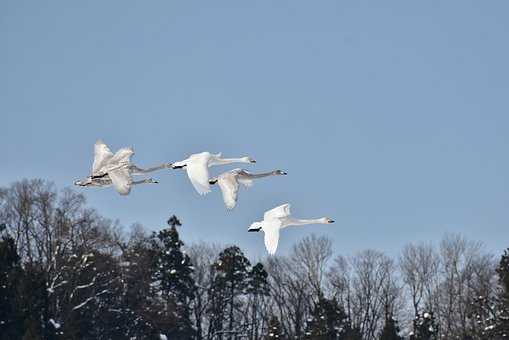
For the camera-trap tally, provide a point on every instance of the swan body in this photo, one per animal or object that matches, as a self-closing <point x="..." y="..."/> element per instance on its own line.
<point x="279" y="218"/>
<point x="197" y="166"/>
<point x="229" y="183"/>
<point x="116" y="169"/>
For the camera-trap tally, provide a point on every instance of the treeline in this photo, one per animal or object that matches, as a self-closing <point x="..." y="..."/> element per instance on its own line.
<point x="68" y="273"/>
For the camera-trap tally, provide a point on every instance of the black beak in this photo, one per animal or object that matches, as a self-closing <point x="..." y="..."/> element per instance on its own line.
<point x="253" y="230"/>
<point x="331" y="221"/>
<point x="213" y="181"/>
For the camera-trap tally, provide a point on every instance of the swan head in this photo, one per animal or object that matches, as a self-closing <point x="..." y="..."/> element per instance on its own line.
<point x="327" y="220"/>
<point x="248" y="160"/>
<point x="83" y="182"/>
<point x="151" y="180"/>
<point x="256" y="226"/>
<point x="279" y="172"/>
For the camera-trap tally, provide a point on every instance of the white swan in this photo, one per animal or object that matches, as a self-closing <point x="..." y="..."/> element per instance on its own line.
<point x="122" y="181"/>
<point x="229" y="183"/>
<point x="197" y="168"/>
<point x="116" y="169"/>
<point x="277" y="219"/>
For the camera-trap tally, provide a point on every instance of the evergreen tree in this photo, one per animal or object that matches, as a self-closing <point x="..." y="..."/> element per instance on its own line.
<point x="390" y="330"/>
<point x="353" y="333"/>
<point x="33" y="299"/>
<point x="484" y="315"/>
<point x="230" y="281"/>
<point x="257" y="283"/>
<point x="274" y="329"/>
<point x="425" y="327"/>
<point x="257" y="288"/>
<point x="501" y="327"/>
<point x="327" y="321"/>
<point x="174" y="274"/>
<point x="90" y="295"/>
<point x="11" y="318"/>
<point x="138" y="264"/>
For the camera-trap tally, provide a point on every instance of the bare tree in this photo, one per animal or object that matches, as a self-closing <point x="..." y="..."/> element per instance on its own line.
<point x="373" y="290"/>
<point x="466" y="273"/>
<point x="419" y="266"/>
<point x="291" y="295"/>
<point x="52" y="228"/>
<point x="202" y="256"/>
<point x="311" y="256"/>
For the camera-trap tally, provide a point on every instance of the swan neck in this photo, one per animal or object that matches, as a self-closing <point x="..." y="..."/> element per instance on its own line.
<point x="299" y="221"/>
<point x="223" y="161"/>
<point x="262" y="174"/>
<point x="154" y="168"/>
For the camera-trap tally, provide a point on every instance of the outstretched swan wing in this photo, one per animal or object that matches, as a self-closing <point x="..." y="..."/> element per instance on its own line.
<point x="121" y="180"/>
<point x="245" y="178"/>
<point x="277" y="212"/>
<point x="198" y="174"/>
<point x="230" y="188"/>
<point x="102" y="155"/>
<point x="271" y="239"/>
<point x="122" y="156"/>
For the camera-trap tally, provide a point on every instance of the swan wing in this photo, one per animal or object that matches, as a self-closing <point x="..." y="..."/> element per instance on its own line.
<point x="230" y="188"/>
<point x="271" y="239"/>
<point x="244" y="177"/>
<point x="102" y="155"/>
<point x="121" y="180"/>
<point x="198" y="174"/>
<point x="121" y="159"/>
<point x="214" y="159"/>
<point x="122" y="156"/>
<point x="278" y="212"/>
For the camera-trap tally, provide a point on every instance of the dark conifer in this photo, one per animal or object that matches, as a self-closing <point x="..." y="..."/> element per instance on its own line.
<point x="390" y="330"/>
<point x="174" y="274"/>
<point x="11" y="275"/>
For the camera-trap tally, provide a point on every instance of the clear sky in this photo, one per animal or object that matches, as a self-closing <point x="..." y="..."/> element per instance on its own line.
<point x="392" y="117"/>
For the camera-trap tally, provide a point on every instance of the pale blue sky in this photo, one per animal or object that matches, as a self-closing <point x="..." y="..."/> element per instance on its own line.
<point x="390" y="116"/>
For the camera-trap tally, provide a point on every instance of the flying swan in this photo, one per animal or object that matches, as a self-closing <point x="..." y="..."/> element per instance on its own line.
<point x="277" y="219"/>
<point x="197" y="168"/>
<point x="229" y="183"/>
<point x="116" y="169"/>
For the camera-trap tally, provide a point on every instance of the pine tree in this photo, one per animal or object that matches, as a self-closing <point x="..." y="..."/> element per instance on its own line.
<point x="174" y="273"/>
<point x="484" y="315"/>
<point x="327" y="321"/>
<point x="257" y="280"/>
<point x="257" y="288"/>
<point x="138" y="264"/>
<point x="274" y="329"/>
<point x="90" y="295"/>
<point x="425" y="327"/>
<point x="34" y="302"/>
<point x="501" y="327"/>
<point x="390" y="330"/>
<point x="11" y="318"/>
<point x="23" y="296"/>
<point x="230" y="281"/>
<point x="353" y="333"/>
